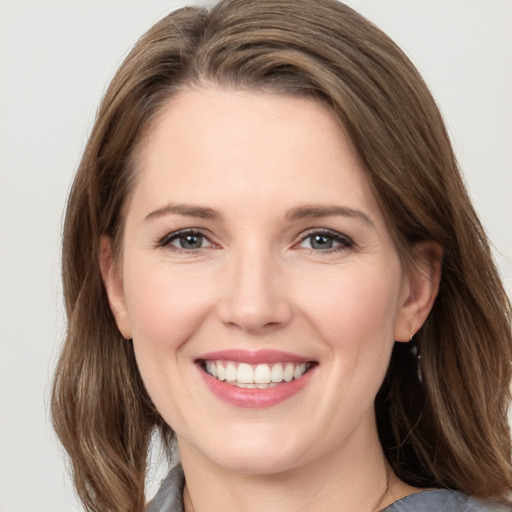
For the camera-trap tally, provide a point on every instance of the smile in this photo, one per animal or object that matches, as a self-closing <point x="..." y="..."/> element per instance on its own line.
<point x="255" y="379"/>
<point x="255" y="376"/>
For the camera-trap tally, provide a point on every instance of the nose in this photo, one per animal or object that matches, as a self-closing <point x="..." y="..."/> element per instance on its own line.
<point x="255" y="294"/>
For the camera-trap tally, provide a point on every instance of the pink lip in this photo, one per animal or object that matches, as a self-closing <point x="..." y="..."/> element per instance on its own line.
<point x="256" y="357"/>
<point x="255" y="398"/>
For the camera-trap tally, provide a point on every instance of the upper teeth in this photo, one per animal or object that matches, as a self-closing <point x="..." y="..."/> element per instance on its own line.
<point x="243" y="373"/>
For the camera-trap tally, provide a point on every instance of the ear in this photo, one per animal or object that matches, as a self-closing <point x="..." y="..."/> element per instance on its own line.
<point x="112" y="279"/>
<point x="421" y="285"/>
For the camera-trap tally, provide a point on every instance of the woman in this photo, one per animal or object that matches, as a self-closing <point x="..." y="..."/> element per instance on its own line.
<point x="269" y="256"/>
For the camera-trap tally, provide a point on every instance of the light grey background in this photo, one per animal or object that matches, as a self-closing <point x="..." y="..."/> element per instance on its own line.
<point x="56" y="58"/>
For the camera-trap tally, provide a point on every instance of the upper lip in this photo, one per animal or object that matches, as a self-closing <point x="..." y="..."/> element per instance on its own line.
<point x="254" y="357"/>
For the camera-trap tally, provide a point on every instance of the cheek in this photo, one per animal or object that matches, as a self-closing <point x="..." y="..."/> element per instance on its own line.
<point x="354" y="319"/>
<point x="165" y="305"/>
<point x="354" y="310"/>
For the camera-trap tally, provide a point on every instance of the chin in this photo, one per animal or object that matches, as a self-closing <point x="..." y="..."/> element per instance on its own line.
<point x="262" y="453"/>
<point x="257" y="462"/>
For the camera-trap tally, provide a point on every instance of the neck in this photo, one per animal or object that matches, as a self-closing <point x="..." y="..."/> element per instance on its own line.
<point x="354" y="476"/>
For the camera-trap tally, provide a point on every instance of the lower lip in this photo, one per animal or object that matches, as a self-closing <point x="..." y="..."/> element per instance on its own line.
<point x="255" y="398"/>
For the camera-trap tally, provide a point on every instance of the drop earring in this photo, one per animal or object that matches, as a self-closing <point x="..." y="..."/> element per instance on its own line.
<point x="417" y="356"/>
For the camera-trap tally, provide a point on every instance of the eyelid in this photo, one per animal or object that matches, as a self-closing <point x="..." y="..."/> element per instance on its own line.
<point x="344" y="240"/>
<point x="166" y="240"/>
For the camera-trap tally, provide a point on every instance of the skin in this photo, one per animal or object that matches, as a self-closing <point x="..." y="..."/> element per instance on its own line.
<point x="256" y="282"/>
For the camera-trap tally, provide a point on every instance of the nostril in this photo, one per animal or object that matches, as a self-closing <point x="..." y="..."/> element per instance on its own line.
<point x="254" y="299"/>
<point x="253" y="319"/>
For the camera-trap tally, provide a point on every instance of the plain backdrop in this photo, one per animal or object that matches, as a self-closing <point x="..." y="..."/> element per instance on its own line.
<point x="56" y="58"/>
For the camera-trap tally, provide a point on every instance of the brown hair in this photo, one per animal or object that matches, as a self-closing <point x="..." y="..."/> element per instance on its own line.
<point x="451" y="430"/>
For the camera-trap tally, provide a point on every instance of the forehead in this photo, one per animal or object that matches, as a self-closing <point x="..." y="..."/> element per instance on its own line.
<point x="212" y="145"/>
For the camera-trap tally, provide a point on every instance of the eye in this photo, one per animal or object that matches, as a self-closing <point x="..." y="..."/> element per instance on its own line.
<point x="325" y="241"/>
<point x="185" y="240"/>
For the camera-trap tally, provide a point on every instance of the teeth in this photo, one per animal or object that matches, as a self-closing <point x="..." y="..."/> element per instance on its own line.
<point x="211" y="368"/>
<point x="244" y="374"/>
<point x="254" y="386"/>
<point x="276" y="374"/>
<point x="262" y="374"/>
<point x="230" y="371"/>
<point x="259" y="376"/>
<point x="289" y="370"/>
<point x="299" y="371"/>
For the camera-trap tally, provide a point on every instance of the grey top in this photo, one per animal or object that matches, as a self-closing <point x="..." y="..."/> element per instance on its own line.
<point x="170" y="499"/>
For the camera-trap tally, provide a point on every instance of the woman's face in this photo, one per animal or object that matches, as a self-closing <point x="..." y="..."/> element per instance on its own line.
<point x="255" y="254"/>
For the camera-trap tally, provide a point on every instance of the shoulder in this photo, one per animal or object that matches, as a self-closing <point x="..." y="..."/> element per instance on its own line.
<point x="443" y="500"/>
<point x="169" y="497"/>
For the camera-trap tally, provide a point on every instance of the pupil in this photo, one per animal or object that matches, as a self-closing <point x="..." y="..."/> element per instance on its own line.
<point x="321" y="242"/>
<point x="191" y="241"/>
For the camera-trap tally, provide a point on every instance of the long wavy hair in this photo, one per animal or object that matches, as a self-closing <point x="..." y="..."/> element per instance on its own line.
<point x="451" y="429"/>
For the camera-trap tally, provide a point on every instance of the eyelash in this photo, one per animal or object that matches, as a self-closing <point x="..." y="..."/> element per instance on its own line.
<point x="344" y="241"/>
<point x="167" y="239"/>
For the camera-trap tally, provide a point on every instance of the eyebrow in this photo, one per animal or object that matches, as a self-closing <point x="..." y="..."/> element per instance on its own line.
<point x="298" y="213"/>
<point x="187" y="210"/>
<point x="314" y="212"/>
